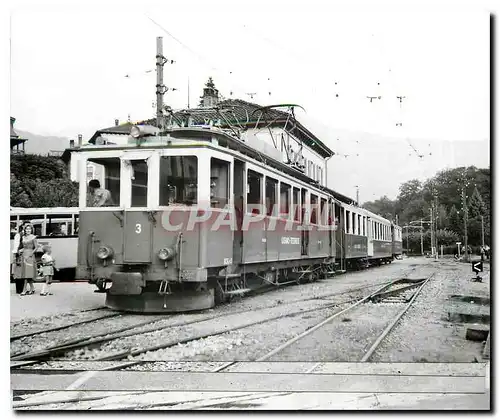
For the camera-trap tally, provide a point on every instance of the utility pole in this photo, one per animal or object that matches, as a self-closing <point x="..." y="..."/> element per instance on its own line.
<point x="464" y="205"/>
<point x="160" y="87"/>
<point x="432" y="232"/>
<point x="357" y="194"/>
<point x="482" y="230"/>
<point x="422" y="237"/>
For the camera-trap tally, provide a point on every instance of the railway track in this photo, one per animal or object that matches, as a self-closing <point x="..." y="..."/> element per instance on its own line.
<point x="401" y="293"/>
<point x="65" y="349"/>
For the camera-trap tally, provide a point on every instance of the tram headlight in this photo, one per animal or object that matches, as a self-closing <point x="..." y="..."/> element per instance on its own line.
<point x="165" y="254"/>
<point x="104" y="252"/>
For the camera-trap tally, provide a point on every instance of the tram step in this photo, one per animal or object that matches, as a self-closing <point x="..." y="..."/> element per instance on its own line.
<point x="340" y="271"/>
<point x="304" y="272"/>
<point x="238" y="292"/>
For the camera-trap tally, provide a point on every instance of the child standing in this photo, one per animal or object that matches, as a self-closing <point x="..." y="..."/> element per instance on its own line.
<point x="48" y="267"/>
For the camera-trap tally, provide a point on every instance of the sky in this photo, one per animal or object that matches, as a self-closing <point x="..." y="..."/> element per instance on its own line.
<point x="68" y="65"/>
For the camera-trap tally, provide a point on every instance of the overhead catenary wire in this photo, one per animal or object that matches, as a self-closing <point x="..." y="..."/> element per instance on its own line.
<point x="200" y="57"/>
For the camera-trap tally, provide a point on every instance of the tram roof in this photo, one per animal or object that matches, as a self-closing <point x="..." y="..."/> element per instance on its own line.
<point x="240" y="110"/>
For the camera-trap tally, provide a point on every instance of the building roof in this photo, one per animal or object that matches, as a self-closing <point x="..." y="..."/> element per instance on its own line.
<point x="235" y="111"/>
<point x="14" y="137"/>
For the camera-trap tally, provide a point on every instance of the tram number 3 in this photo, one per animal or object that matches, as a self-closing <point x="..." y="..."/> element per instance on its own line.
<point x="138" y="228"/>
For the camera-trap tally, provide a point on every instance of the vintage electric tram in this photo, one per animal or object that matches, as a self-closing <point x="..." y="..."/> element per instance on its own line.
<point x="202" y="212"/>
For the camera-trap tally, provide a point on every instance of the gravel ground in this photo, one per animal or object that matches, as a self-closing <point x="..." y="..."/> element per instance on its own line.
<point x="33" y="325"/>
<point x="100" y="327"/>
<point x="344" y="339"/>
<point x="424" y="333"/>
<point x="242" y="345"/>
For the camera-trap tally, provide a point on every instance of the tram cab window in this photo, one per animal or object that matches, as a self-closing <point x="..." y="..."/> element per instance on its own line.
<point x="219" y="183"/>
<point x="285" y="200"/>
<point x="271" y="186"/>
<point x="254" y="192"/>
<point x="139" y="181"/>
<point x="296" y="204"/>
<point x="178" y="180"/>
<point x="107" y="172"/>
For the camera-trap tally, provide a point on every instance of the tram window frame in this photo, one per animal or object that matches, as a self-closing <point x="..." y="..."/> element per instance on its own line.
<point x="216" y="187"/>
<point x="285" y="200"/>
<point x="111" y="173"/>
<point x="271" y="196"/>
<point x="181" y="186"/>
<point x="313" y="201"/>
<point x="296" y="204"/>
<point x="303" y="206"/>
<point x="254" y="184"/>
<point x="136" y="188"/>
<point x="324" y="214"/>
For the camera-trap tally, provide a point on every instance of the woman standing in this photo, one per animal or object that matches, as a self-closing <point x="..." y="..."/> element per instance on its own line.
<point x="27" y="268"/>
<point x="16" y="265"/>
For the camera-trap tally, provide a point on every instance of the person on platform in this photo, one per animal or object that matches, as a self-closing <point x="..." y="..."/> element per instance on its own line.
<point x="98" y="197"/>
<point x="48" y="267"/>
<point x="17" y="253"/>
<point x="26" y="267"/>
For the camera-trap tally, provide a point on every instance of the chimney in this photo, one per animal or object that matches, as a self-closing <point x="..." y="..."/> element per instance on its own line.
<point x="71" y="144"/>
<point x="80" y="138"/>
<point x="117" y="123"/>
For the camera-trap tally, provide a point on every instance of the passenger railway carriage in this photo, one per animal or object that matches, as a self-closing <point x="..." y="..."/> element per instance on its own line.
<point x="199" y="214"/>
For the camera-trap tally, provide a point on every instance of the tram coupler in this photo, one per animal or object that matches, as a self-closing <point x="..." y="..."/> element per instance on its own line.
<point x="164" y="288"/>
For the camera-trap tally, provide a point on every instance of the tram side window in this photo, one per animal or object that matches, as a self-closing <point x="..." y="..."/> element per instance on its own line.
<point x="314" y="209"/>
<point x="359" y="224"/>
<point x="139" y="193"/>
<point x="285" y="200"/>
<point x="348" y="221"/>
<point x="219" y="183"/>
<point x="324" y="212"/>
<point x="178" y="180"/>
<point x="296" y="204"/>
<point x="254" y="192"/>
<point x="271" y="186"/>
<point x="107" y="173"/>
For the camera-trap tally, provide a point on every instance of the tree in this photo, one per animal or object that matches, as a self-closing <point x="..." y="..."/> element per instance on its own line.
<point x="41" y="181"/>
<point x="384" y="206"/>
<point x="409" y="190"/>
<point x="55" y="193"/>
